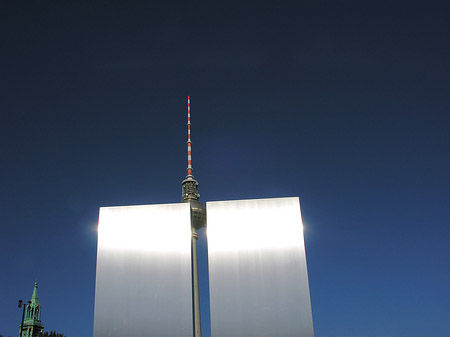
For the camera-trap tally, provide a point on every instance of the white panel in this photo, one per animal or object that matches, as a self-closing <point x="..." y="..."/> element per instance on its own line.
<point x="143" y="282"/>
<point x="257" y="269"/>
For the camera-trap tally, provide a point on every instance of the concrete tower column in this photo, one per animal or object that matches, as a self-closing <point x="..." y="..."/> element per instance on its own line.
<point x="197" y="321"/>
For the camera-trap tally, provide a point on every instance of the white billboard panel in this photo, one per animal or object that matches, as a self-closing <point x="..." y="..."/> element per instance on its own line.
<point x="257" y="269"/>
<point x="143" y="281"/>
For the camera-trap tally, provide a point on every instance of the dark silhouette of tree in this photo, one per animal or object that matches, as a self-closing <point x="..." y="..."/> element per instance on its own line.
<point x="52" y="334"/>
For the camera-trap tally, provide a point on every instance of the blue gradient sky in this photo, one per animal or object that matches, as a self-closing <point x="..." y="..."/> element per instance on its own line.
<point x="343" y="103"/>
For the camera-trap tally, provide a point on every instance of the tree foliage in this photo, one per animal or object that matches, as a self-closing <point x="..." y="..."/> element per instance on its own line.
<point x="52" y="334"/>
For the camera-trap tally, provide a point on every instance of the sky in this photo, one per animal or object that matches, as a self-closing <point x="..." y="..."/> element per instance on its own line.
<point x="342" y="103"/>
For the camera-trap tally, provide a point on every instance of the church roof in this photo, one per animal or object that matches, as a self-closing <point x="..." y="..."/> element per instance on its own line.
<point x="34" y="297"/>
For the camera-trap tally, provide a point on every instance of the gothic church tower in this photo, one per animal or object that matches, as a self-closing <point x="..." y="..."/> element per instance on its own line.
<point x="32" y="326"/>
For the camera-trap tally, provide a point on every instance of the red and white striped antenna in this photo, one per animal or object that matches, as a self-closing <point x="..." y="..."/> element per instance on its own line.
<point x="189" y="143"/>
<point x="189" y="184"/>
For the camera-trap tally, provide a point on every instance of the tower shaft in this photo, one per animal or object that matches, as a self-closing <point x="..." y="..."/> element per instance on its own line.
<point x="196" y="292"/>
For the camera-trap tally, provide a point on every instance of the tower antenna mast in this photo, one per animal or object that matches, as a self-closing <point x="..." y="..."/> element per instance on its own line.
<point x="190" y="185"/>
<point x="189" y="143"/>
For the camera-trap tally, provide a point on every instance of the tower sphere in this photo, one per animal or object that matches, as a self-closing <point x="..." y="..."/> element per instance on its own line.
<point x="190" y="194"/>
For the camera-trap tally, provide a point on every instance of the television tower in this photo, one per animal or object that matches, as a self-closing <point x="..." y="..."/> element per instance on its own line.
<point x="198" y="220"/>
<point x="162" y="268"/>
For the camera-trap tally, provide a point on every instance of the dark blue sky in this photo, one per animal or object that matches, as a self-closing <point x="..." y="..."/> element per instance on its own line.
<point x="343" y="103"/>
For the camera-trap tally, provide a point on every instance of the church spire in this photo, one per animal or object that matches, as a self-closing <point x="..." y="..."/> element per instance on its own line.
<point x="34" y="297"/>
<point x="34" y="308"/>
<point x="32" y="325"/>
